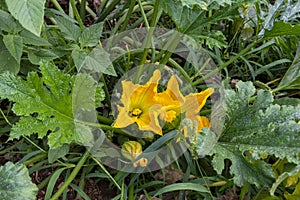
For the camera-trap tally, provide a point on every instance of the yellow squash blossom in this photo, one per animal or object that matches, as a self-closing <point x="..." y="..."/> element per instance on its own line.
<point x="139" y="105"/>
<point x="174" y="103"/>
<point x="143" y="105"/>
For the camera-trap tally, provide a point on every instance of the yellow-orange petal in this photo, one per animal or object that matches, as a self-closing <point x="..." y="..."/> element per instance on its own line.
<point x="143" y="95"/>
<point x="203" y="122"/>
<point x="173" y="90"/>
<point x="194" y="102"/>
<point x="128" y="89"/>
<point x="123" y="119"/>
<point x="149" y="121"/>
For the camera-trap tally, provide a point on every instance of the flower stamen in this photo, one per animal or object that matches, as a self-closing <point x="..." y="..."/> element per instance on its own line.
<point x="136" y="112"/>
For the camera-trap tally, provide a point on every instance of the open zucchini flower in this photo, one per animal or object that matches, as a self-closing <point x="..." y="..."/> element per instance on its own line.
<point x="139" y="105"/>
<point x="190" y="104"/>
<point x="143" y="105"/>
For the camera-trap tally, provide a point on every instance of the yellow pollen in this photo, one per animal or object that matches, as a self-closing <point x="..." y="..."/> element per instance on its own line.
<point x="135" y="113"/>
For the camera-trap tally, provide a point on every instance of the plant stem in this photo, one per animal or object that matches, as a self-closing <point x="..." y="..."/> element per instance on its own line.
<point x="35" y="159"/>
<point x="5" y="118"/>
<point x="82" y="9"/>
<point x="71" y="177"/>
<point x="76" y="13"/>
<point x="169" y="47"/>
<point x="89" y="10"/>
<point x="127" y="18"/>
<point x="108" y="10"/>
<point x="215" y="71"/>
<point x="131" y="190"/>
<point x="106" y="172"/>
<point x="180" y="69"/>
<point x="143" y="14"/>
<point x="139" y="21"/>
<point x="149" y="34"/>
<point x="34" y="144"/>
<point x="57" y="6"/>
<point x="104" y="120"/>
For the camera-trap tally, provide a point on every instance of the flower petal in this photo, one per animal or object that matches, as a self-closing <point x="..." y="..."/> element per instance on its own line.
<point x="173" y="90"/>
<point x="149" y="120"/>
<point x="194" y="102"/>
<point x="123" y="119"/>
<point x="144" y="93"/>
<point x="203" y="122"/>
<point x="128" y="89"/>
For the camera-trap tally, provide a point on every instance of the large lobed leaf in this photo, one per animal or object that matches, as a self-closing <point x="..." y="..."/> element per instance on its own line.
<point x="244" y="170"/>
<point x="254" y="126"/>
<point x="55" y="104"/>
<point x="15" y="183"/>
<point x="279" y="19"/>
<point x="261" y="127"/>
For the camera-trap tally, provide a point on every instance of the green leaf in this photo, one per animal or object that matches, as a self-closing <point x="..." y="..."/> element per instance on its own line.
<point x="291" y="12"/>
<point x="78" y="55"/>
<point x="14" y="45"/>
<point x="8" y="62"/>
<point x="205" y="4"/>
<point x="270" y="65"/>
<point x="211" y="38"/>
<point x="52" y="182"/>
<point x="55" y="154"/>
<point x="80" y="191"/>
<point x="287" y="101"/>
<point x="15" y="183"/>
<point x="36" y="56"/>
<point x="91" y="35"/>
<point x="205" y="142"/>
<point x="68" y="28"/>
<point x="31" y="39"/>
<point x="291" y="79"/>
<point x="192" y="20"/>
<point x="269" y="20"/>
<point x="182" y="186"/>
<point x="29" y="13"/>
<point x="245" y="171"/>
<point x="261" y="127"/>
<point x="281" y="28"/>
<point x="55" y="105"/>
<point x="98" y="61"/>
<point x="8" y="23"/>
<point x="253" y="129"/>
